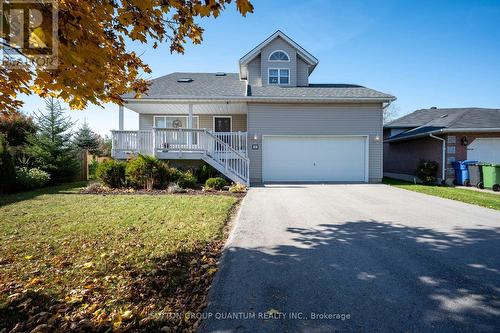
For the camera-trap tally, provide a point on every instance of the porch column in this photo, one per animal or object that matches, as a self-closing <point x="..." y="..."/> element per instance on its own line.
<point x="120" y="118"/>
<point x="190" y="123"/>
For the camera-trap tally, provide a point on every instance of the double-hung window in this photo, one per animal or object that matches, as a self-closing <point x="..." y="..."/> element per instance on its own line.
<point x="279" y="76"/>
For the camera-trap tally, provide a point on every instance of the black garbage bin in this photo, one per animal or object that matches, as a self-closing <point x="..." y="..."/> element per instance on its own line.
<point x="475" y="175"/>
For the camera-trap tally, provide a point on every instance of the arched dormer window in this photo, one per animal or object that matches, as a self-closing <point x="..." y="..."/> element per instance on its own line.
<point x="279" y="55"/>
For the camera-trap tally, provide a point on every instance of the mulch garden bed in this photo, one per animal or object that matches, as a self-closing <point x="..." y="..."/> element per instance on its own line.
<point x="97" y="189"/>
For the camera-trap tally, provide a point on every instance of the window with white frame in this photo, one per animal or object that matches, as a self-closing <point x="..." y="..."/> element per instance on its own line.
<point x="174" y="121"/>
<point x="279" y="76"/>
<point x="279" y="56"/>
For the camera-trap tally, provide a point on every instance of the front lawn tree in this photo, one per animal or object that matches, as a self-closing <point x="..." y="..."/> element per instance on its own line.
<point x="51" y="148"/>
<point x="86" y="139"/>
<point x="94" y="64"/>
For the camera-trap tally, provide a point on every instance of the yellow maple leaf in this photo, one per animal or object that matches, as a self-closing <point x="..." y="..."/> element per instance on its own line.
<point x="127" y="315"/>
<point x="87" y="265"/>
<point x="32" y="282"/>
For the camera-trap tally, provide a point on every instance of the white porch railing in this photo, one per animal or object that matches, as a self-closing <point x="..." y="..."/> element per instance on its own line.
<point x="227" y="152"/>
<point x="132" y="142"/>
<point x="237" y="140"/>
<point x="145" y="141"/>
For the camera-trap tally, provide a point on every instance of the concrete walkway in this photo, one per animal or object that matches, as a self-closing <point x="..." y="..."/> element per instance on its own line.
<point x="361" y="258"/>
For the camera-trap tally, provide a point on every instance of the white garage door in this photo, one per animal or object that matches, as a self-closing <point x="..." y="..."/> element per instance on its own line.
<point x="302" y="158"/>
<point x="484" y="150"/>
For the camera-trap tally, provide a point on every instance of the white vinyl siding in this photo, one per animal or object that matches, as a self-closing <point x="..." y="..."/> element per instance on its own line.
<point x="302" y="73"/>
<point x="275" y="45"/>
<point x="254" y="73"/>
<point x="315" y="119"/>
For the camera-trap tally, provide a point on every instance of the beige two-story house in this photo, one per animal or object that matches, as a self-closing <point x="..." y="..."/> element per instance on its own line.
<point x="266" y="123"/>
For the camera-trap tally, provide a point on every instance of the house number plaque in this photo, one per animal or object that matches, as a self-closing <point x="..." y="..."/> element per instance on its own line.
<point x="255" y="146"/>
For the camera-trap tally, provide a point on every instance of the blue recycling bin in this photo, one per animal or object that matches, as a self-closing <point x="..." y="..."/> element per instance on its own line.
<point x="462" y="172"/>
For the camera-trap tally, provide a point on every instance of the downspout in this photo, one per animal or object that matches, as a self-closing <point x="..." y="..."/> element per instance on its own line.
<point x="443" y="159"/>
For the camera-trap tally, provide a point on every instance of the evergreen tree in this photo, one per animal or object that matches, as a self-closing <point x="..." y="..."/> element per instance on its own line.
<point x="86" y="139"/>
<point x="50" y="147"/>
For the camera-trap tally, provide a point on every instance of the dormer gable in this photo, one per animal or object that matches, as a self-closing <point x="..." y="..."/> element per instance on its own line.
<point x="278" y="60"/>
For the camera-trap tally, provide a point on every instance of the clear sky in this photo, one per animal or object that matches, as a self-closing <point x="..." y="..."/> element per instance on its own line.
<point x="426" y="53"/>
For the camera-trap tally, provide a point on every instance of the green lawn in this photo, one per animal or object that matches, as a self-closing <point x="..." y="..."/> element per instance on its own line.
<point x="482" y="198"/>
<point x="100" y="261"/>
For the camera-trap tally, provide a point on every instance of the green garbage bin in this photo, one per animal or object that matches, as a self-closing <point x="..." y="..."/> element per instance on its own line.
<point x="491" y="176"/>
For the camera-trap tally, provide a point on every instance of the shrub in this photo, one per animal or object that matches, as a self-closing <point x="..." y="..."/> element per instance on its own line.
<point x="186" y="180"/>
<point x="111" y="173"/>
<point x="148" y="172"/>
<point x="204" y="172"/>
<point x="237" y="188"/>
<point x="93" y="165"/>
<point x="215" y="183"/>
<point x="16" y="127"/>
<point x="165" y="175"/>
<point x="31" y="178"/>
<point x="7" y="168"/>
<point x="427" y="171"/>
<point x="141" y="171"/>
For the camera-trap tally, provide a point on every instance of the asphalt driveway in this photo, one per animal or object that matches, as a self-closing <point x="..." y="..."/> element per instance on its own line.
<point x="364" y="258"/>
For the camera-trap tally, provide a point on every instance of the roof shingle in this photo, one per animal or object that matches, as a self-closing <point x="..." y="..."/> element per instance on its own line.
<point x="229" y="86"/>
<point x="203" y="85"/>
<point x="450" y="118"/>
<point x="426" y="121"/>
<point x="317" y="91"/>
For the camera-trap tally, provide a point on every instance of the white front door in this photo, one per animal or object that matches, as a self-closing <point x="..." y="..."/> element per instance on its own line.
<point x="314" y="158"/>
<point x="484" y="150"/>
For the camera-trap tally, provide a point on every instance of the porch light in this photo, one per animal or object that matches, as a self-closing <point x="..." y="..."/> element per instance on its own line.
<point x="464" y="141"/>
<point x="255" y="137"/>
<point x="376" y="138"/>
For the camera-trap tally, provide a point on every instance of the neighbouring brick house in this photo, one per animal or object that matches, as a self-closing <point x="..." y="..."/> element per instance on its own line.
<point x="463" y="134"/>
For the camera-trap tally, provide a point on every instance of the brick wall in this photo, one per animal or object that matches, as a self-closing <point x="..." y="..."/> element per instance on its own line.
<point x="403" y="156"/>
<point x="459" y="152"/>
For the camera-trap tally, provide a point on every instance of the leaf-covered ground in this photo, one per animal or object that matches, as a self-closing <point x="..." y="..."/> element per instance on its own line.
<point x="74" y="262"/>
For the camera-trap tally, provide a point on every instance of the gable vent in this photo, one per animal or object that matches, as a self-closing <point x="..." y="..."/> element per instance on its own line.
<point x="185" y="80"/>
<point x="220" y="74"/>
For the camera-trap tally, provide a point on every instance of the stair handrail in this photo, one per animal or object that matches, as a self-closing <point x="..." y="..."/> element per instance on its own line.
<point x="227" y="145"/>
<point x="243" y="176"/>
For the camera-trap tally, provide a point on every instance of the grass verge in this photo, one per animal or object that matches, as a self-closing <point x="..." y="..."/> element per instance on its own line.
<point x="485" y="199"/>
<point x="74" y="262"/>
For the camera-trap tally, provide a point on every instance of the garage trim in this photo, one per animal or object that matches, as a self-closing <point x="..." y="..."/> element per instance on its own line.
<point x="366" y="137"/>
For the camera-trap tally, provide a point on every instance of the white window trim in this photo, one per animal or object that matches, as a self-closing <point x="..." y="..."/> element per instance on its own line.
<point x="177" y="116"/>
<point x="279" y="76"/>
<point x="269" y="58"/>
<point x="230" y="123"/>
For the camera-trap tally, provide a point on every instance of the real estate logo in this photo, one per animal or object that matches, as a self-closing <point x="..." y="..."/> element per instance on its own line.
<point x="28" y="33"/>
